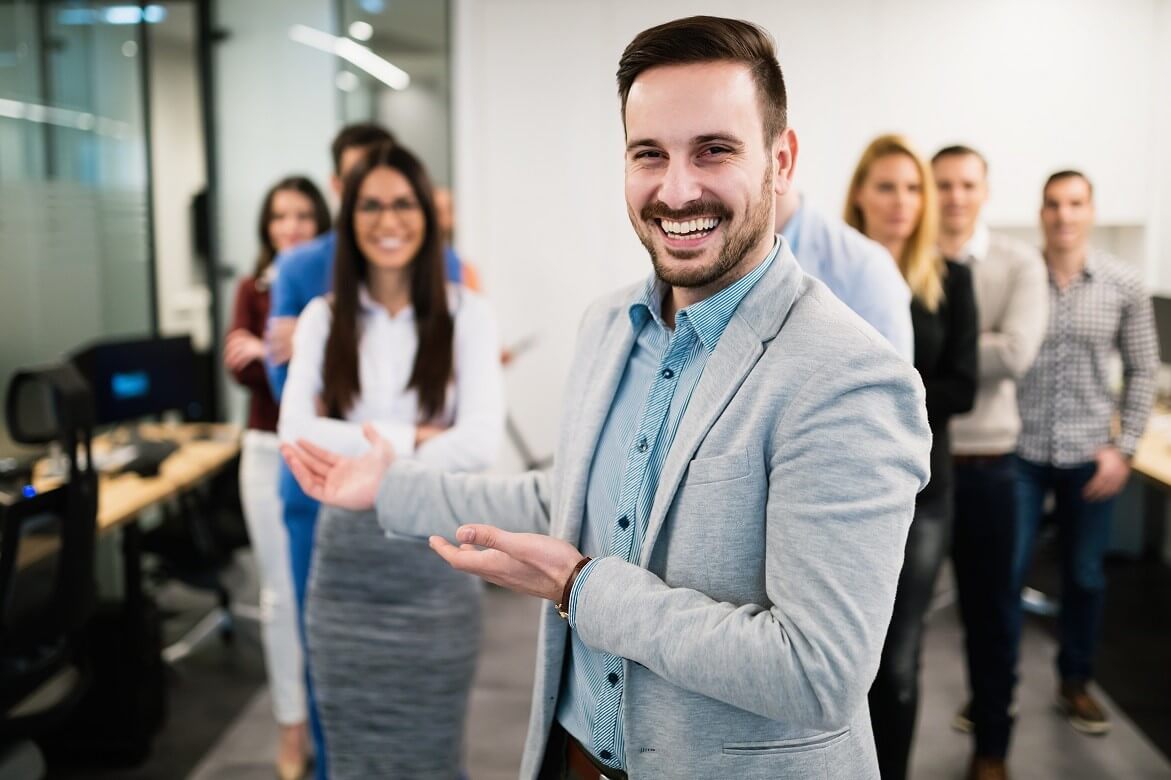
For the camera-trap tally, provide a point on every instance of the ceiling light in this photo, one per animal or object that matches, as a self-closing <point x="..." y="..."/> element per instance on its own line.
<point x="361" y="31"/>
<point x="354" y="53"/>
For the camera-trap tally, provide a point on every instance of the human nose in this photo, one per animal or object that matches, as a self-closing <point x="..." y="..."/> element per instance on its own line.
<point x="680" y="185"/>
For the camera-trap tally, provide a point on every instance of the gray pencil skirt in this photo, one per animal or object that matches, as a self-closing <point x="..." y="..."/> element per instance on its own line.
<point x="393" y="633"/>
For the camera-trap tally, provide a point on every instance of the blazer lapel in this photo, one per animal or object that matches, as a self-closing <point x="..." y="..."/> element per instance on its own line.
<point x="733" y="359"/>
<point x="605" y="371"/>
<point x="757" y="320"/>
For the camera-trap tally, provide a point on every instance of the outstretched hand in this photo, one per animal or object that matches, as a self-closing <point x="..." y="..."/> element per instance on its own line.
<point x="535" y="564"/>
<point x="337" y="480"/>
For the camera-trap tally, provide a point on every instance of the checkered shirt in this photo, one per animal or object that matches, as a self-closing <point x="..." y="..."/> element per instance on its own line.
<point x="1067" y="405"/>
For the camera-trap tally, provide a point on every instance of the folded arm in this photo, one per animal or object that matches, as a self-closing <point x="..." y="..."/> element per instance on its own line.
<point x="1008" y="352"/>
<point x="301" y="417"/>
<point x="473" y="442"/>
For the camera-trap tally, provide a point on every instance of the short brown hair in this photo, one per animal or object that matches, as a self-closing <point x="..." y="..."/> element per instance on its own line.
<point x="698" y="39"/>
<point x="959" y="150"/>
<point x="363" y="134"/>
<point x="1068" y="174"/>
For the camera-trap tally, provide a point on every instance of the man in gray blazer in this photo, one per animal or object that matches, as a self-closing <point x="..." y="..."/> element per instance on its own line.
<point x="721" y="534"/>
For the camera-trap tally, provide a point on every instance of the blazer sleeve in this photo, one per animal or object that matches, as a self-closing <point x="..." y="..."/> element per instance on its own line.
<point x="951" y="389"/>
<point x="416" y="501"/>
<point x="849" y="455"/>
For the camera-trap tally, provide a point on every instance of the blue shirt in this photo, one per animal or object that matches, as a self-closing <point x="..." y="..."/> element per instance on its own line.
<point x="661" y="373"/>
<point x="860" y="272"/>
<point x="303" y="273"/>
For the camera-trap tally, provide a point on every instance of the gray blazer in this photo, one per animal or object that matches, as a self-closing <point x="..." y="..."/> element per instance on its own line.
<point x="754" y="621"/>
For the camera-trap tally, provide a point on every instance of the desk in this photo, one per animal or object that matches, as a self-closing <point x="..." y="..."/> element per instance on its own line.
<point x="1152" y="462"/>
<point x="122" y="497"/>
<point x="1152" y="459"/>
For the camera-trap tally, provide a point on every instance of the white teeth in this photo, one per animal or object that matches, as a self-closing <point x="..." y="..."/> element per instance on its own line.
<point x="390" y="243"/>
<point x="691" y="226"/>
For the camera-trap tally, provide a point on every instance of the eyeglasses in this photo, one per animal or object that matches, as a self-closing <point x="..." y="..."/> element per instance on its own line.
<point x="371" y="209"/>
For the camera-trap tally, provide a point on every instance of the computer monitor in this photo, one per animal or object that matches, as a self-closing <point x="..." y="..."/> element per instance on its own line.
<point x="137" y="378"/>
<point x="1163" y="326"/>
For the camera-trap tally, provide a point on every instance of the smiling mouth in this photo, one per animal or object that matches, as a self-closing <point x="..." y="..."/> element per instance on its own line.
<point x="689" y="230"/>
<point x="389" y="244"/>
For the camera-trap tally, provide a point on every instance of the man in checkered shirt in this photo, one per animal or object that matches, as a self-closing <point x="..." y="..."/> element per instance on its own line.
<point x="1069" y="443"/>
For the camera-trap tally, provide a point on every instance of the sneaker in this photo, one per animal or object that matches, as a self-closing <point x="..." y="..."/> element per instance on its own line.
<point x="962" y="722"/>
<point x="1081" y="710"/>
<point x="986" y="768"/>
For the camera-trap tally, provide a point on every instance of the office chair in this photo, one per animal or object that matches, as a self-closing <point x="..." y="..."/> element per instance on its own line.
<point x="47" y="587"/>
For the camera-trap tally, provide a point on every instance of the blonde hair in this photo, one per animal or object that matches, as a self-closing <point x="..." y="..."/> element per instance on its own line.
<point x="921" y="263"/>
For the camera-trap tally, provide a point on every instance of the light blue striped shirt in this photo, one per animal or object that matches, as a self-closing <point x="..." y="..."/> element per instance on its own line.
<point x="661" y="372"/>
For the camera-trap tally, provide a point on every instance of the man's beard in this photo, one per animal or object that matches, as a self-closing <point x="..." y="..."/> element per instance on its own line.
<point x="738" y="241"/>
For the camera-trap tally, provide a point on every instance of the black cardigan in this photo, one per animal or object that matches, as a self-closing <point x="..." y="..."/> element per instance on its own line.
<point x="946" y="343"/>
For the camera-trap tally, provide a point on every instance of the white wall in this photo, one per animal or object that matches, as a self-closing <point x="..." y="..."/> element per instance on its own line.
<point x="538" y="144"/>
<point x="1160" y="234"/>
<point x="418" y="117"/>
<point x="276" y="111"/>
<point x="178" y="173"/>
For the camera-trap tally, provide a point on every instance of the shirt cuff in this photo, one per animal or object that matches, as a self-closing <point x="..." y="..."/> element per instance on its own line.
<point x="1127" y="444"/>
<point x="577" y="586"/>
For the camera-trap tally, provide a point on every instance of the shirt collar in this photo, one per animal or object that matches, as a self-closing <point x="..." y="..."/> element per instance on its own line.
<point x="978" y="245"/>
<point x="709" y="317"/>
<point x="1089" y="268"/>
<point x="367" y="305"/>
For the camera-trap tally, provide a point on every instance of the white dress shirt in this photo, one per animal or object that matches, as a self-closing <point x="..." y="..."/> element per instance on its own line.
<point x="387" y="344"/>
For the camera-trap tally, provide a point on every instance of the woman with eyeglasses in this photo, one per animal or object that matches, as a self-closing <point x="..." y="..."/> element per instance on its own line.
<point x="293" y="212"/>
<point x="394" y="358"/>
<point x="892" y="200"/>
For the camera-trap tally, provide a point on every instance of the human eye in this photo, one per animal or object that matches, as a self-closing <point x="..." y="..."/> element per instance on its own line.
<point x="646" y="154"/>
<point x="369" y="206"/>
<point x="404" y="205"/>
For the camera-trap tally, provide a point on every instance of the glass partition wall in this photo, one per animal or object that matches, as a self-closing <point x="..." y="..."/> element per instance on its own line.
<point x="73" y="184"/>
<point x="77" y="206"/>
<point x="414" y="38"/>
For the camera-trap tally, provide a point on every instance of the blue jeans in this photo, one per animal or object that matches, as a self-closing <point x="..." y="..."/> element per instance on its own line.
<point x="301" y="523"/>
<point x="1083" y="533"/>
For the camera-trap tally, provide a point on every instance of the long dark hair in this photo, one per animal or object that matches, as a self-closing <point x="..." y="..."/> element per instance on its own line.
<point x="320" y="216"/>
<point x="433" y="360"/>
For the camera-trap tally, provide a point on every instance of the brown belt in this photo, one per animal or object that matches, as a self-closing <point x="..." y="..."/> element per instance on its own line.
<point x="977" y="460"/>
<point x="581" y="763"/>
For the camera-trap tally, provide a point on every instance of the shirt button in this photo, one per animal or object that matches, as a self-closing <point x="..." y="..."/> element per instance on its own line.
<point x="624" y="523"/>
<point x="605" y="755"/>
<point x="642" y="445"/>
<point x="613" y="678"/>
<point x="668" y="373"/>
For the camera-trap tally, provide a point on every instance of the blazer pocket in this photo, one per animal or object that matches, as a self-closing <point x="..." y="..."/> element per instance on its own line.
<point x="774" y="747"/>
<point x="719" y="469"/>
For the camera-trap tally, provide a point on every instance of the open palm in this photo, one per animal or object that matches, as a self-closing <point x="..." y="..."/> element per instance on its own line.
<point x="337" y="480"/>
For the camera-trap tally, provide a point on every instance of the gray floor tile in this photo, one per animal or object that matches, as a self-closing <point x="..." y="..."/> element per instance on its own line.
<point x="1045" y="747"/>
